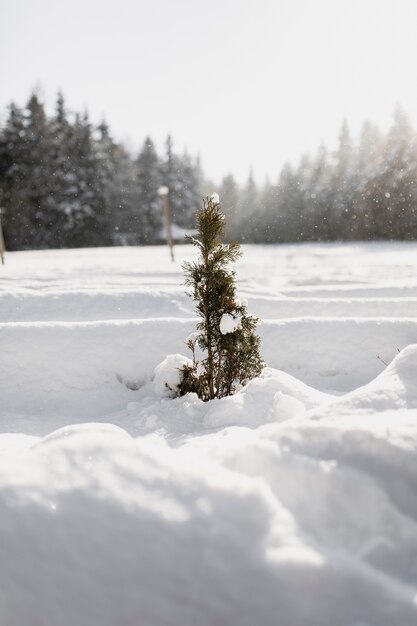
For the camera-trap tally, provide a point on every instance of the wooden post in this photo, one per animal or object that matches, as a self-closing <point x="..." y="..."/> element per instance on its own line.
<point x="163" y="194"/>
<point x="2" y="246"/>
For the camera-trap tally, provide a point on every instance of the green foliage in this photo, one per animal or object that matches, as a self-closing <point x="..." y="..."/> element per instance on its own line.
<point x="230" y="359"/>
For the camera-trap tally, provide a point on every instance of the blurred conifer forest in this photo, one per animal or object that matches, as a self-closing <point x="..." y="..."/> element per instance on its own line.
<point x="67" y="183"/>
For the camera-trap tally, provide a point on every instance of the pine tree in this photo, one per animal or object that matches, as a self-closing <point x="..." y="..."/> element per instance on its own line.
<point x="286" y="224"/>
<point x="303" y="187"/>
<point x="87" y="222"/>
<point x="320" y="201"/>
<point x="14" y="168"/>
<point x="124" y="198"/>
<point x="249" y="209"/>
<point x="25" y="154"/>
<point x="229" y="192"/>
<point x="342" y="187"/>
<point x="148" y="182"/>
<point x="370" y="153"/>
<point x="396" y="182"/>
<point x="61" y="201"/>
<point x="267" y="209"/>
<point x="225" y="334"/>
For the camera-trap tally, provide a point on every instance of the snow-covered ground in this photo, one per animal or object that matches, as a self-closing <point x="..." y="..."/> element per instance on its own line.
<point x="293" y="503"/>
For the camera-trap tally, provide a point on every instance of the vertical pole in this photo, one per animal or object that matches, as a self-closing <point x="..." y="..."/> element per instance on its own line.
<point x="2" y="247"/>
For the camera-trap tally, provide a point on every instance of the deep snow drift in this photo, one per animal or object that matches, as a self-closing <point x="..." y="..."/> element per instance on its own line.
<point x="292" y="503"/>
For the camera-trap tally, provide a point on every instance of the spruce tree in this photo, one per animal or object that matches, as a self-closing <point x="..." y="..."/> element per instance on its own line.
<point x="319" y="203"/>
<point x="87" y="221"/>
<point x="342" y="187"/>
<point x="124" y="198"/>
<point x="61" y="201"/>
<point x="14" y="166"/>
<point x="249" y="210"/>
<point x="229" y="192"/>
<point x="226" y="333"/>
<point x="396" y="182"/>
<point x="38" y="174"/>
<point x="148" y="179"/>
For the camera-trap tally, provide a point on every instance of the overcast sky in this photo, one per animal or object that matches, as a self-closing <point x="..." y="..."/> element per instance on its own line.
<point x="244" y="83"/>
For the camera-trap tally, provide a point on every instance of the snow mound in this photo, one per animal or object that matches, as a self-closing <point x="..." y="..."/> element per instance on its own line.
<point x="167" y="376"/>
<point x="402" y="373"/>
<point x="334" y="354"/>
<point x="395" y="388"/>
<point x="96" y="430"/>
<point x="221" y="530"/>
<point x="102" y="512"/>
<point x="275" y="396"/>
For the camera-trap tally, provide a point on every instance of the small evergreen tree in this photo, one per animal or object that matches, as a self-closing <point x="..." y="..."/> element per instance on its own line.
<point x="225" y="334"/>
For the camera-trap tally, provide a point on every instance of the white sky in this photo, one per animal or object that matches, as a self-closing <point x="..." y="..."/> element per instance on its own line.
<point x="242" y="82"/>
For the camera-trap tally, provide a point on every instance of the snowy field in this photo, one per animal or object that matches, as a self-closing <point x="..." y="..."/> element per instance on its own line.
<point x="293" y="503"/>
